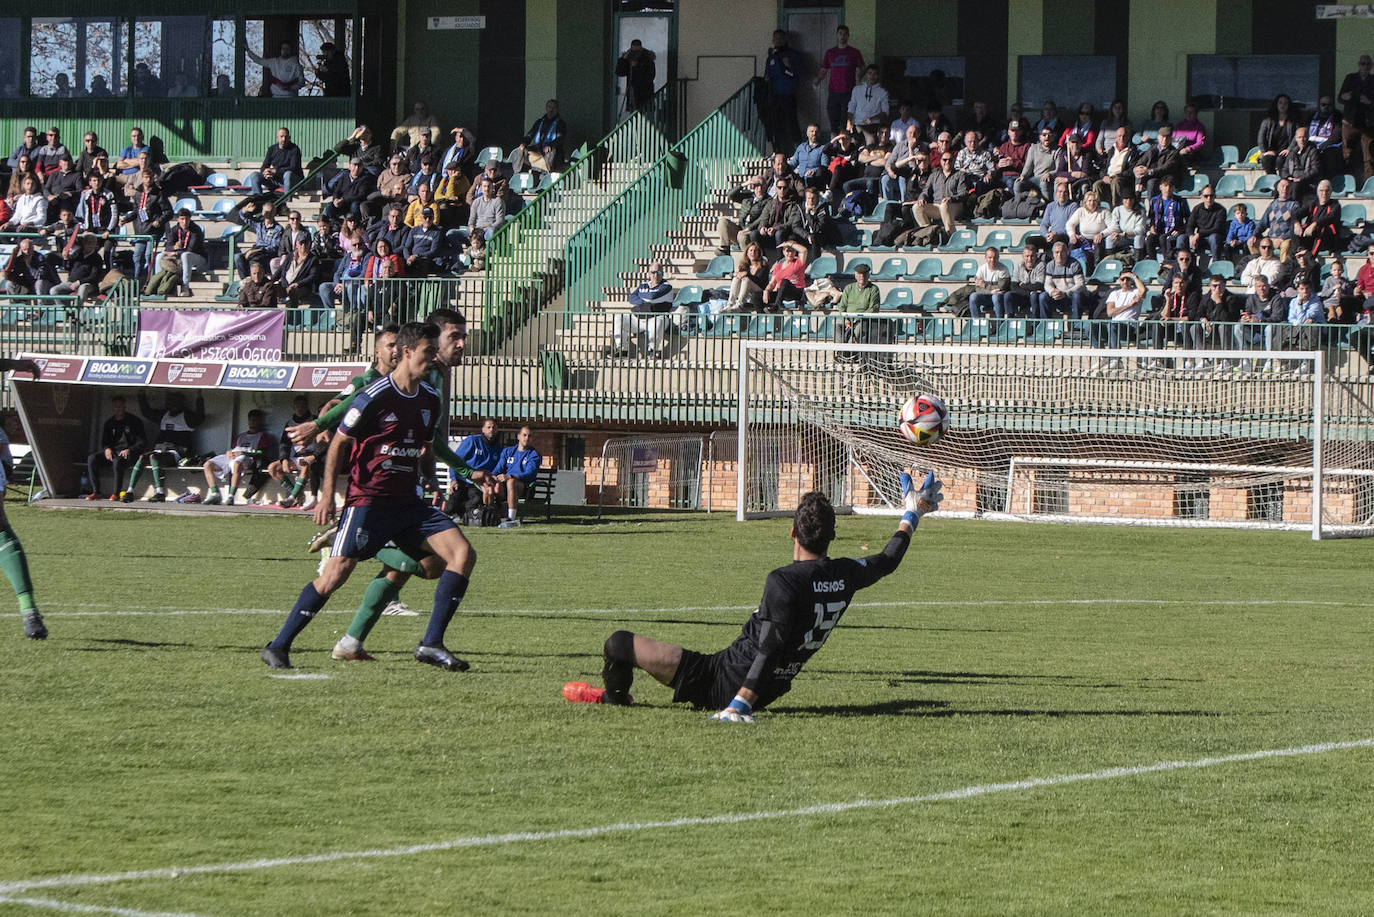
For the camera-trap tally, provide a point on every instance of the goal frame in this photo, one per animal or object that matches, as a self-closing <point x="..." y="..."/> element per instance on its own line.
<point x="1316" y="470"/>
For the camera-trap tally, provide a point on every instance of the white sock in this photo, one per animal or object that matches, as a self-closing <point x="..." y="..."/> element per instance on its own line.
<point x="224" y="491"/>
<point x="350" y="643"/>
<point x="510" y="514"/>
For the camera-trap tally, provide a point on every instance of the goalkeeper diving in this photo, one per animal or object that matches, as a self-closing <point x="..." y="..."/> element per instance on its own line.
<point x="802" y="602"/>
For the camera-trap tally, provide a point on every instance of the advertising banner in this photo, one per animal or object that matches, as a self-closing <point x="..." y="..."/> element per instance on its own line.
<point x="211" y="335"/>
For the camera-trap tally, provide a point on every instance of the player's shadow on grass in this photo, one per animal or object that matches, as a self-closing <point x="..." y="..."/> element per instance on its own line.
<point x="124" y="643"/>
<point x="940" y="708"/>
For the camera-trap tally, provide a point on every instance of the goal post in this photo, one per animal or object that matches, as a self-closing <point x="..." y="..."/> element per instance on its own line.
<point x="1190" y="438"/>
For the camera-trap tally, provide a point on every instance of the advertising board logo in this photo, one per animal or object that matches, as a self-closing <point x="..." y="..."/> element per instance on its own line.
<point x="258" y="375"/>
<point x="174" y="372"/>
<point x="318" y="374"/>
<point x="122" y="371"/>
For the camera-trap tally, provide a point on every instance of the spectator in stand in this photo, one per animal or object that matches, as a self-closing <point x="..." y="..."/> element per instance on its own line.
<point x="636" y="65"/>
<point x="945" y="195"/>
<point x="1364" y="281"/>
<point x="900" y="165"/>
<point x="1038" y="171"/>
<point x="1159" y="116"/>
<point x="331" y="67"/>
<point x="28" y="209"/>
<point x="935" y="123"/>
<point x="1357" y="116"/>
<point x="1086" y="229"/>
<point x="782" y="69"/>
<point x="27" y="147"/>
<point x="779" y="219"/>
<point x="149" y="215"/>
<point x="1338" y="295"/>
<point x="281" y="165"/>
<point x="1324" y="132"/>
<point x="91" y="150"/>
<point x="351" y="190"/>
<point x="1027" y="282"/>
<point x="423" y="245"/>
<point x="1320" y="227"/>
<point x="1077" y="164"/>
<point x="393" y="229"/>
<point x="451" y="196"/>
<point x="542" y="149"/>
<point x="25" y="271"/>
<point x="1168" y="220"/>
<point x="295" y="233"/>
<point x="1049" y="120"/>
<point x="1159" y="161"/>
<point x="1106" y="131"/>
<point x="516" y="469"/>
<point x="809" y="160"/>
<point x="463" y="151"/>
<point x="981" y="120"/>
<point x="975" y="160"/>
<point x="1275" y="133"/>
<point x="1054" y="222"/>
<point x="1278" y="220"/>
<point x="422" y="149"/>
<point x="1238" y="235"/>
<point x="868" y="107"/>
<point x="1011" y="155"/>
<point x="990" y="285"/>
<point x="872" y="160"/>
<point x="844" y="152"/>
<point x="817" y="228"/>
<point x="424" y="200"/>
<point x="897" y="129"/>
<point x="378" y="295"/>
<point x="787" y="280"/>
<point x="1261" y="311"/>
<point x="297" y="277"/>
<point x="1121" y="312"/>
<point x="183" y="253"/>
<point x="1207" y="228"/>
<point x="1119" y="163"/>
<point x="1172" y="317"/>
<point x="1305" y="316"/>
<point x="359" y="145"/>
<point x="392" y="186"/>
<point x="1127" y="226"/>
<point x="1190" y="136"/>
<point x="1268" y="265"/>
<point x="267" y="236"/>
<point x="408" y="131"/>
<point x="1066" y="292"/>
<point x="286" y="75"/>
<point x="840" y="69"/>
<point x="1306" y="268"/>
<point x="1302" y="166"/>
<point x="485" y="215"/>
<point x="85" y="268"/>
<point x="748" y="281"/>
<point x="49" y="155"/>
<point x="1216" y="310"/>
<point x="650" y="304"/>
<point x="1083" y="128"/>
<point x="24" y="170"/>
<point x="128" y="165"/>
<point x="425" y="177"/>
<point x="257" y="290"/>
<point x="122" y="440"/>
<point x="63" y="188"/>
<point x="96" y="211"/>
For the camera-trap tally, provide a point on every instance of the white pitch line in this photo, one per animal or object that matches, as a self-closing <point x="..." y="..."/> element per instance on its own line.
<point x="72" y="907"/>
<point x="172" y="611"/>
<point x="733" y="818"/>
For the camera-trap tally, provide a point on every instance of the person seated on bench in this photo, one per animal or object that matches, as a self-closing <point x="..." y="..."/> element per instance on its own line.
<point x="176" y="427"/>
<point x="516" y="470"/>
<point x="243" y="457"/>
<point x="480" y="453"/>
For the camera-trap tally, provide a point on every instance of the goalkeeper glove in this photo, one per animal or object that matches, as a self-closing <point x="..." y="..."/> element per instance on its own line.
<point x="920" y="502"/>
<point x="737" y="711"/>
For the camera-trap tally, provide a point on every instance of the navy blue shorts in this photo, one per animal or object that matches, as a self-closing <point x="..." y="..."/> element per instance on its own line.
<point x="365" y="530"/>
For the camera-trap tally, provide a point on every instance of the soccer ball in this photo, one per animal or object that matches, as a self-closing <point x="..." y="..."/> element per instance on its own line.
<point x="924" y="419"/>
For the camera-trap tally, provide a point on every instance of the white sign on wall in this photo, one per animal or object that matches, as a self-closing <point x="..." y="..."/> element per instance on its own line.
<point x="457" y="22"/>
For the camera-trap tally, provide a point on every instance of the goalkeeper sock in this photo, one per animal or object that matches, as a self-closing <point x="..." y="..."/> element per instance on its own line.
<point x="307" y="605"/>
<point x="452" y="586"/>
<point x="379" y="593"/>
<point x="16" y="567"/>
<point x="618" y="669"/>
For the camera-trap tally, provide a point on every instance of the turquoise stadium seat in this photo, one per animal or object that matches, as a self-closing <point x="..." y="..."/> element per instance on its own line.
<point x="1030" y="234"/>
<point x="1221" y="269"/>
<point x="1342" y="184"/>
<point x="1246" y="163"/>
<point x="720" y="266"/>
<point x="960" y="271"/>
<point x="1230" y="186"/>
<point x="1353" y="214"/>
<point x="1263" y="186"/>
<point x="1367" y="189"/>
<point x="823" y="266"/>
<point x="1229" y="156"/>
<point x="851" y="265"/>
<point x="899" y="299"/>
<point x="1106" y="271"/>
<point x="1195" y="185"/>
<point x="961" y="241"/>
<point x="1147" y="269"/>
<point x="999" y="239"/>
<point x="491" y="152"/>
<point x="688" y="295"/>
<point x="892" y="269"/>
<point x="927" y="269"/>
<point x="932" y="299"/>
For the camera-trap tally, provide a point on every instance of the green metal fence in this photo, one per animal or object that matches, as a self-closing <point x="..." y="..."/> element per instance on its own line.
<point x="629" y="226"/>
<point x="524" y="262"/>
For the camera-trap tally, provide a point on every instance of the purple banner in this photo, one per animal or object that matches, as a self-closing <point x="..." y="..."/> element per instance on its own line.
<point x="210" y="335"/>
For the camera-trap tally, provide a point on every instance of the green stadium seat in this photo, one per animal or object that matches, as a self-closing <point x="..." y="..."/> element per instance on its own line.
<point x="1230" y="186"/>
<point x="960" y="271"/>
<point x="1029" y="235"/>
<point x="688" y="295"/>
<point x="721" y="266"/>
<point x="1342" y="185"/>
<point x="1246" y="163"/>
<point x="1107" y="271"/>
<point x="899" y="299"/>
<point x="1147" y="269"/>
<point x="491" y="152"/>
<point x="522" y="182"/>
<point x="999" y="239"/>
<point x="1367" y="189"/>
<point x="852" y="264"/>
<point x="1353" y="214"/>
<point x="1198" y="181"/>
<point x="927" y="269"/>
<point x="892" y="269"/>
<point x="823" y="266"/>
<point x="1229" y="157"/>
<point x="933" y="299"/>
<point x="961" y="241"/>
<point x="1221" y="269"/>
<point x="1263" y="186"/>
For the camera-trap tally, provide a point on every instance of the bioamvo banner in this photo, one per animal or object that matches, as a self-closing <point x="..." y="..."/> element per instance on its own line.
<point x="214" y="335"/>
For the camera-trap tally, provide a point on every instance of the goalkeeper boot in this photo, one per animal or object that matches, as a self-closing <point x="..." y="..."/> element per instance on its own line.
<point x="579" y="692"/>
<point x="440" y="656"/>
<point x="34" y="628"/>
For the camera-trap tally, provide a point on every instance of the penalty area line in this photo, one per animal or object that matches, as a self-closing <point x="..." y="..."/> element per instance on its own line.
<point x="72" y="907"/>
<point x="11" y="888"/>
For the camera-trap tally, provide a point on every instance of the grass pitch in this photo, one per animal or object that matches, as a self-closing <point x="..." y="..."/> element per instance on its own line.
<point x="963" y="726"/>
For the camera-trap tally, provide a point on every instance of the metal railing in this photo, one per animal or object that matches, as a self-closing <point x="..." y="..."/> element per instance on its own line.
<point x="524" y="261"/>
<point x="638" y="219"/>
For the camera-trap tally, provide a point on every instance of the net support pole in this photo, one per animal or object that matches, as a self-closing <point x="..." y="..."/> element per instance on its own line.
<point x="1318" y="372"/>
<point x="742" y="444"/>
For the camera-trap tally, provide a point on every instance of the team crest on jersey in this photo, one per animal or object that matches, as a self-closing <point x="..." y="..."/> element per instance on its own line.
<point x="424" y="416"/>
<point x="390" y="418"/>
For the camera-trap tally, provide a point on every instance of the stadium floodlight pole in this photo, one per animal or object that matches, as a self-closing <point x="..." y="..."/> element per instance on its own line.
<point x="1318" y="372"/>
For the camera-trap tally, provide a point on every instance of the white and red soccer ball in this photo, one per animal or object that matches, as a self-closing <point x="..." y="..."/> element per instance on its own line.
<point x="923" y="419"/>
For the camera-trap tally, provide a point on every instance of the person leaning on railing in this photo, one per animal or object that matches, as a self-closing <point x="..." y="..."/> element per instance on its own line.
<point x="183" y="253"/>
<point x="85" y="268"/>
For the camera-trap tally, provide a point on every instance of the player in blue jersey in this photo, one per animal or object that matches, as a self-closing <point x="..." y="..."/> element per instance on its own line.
<point x="385" y="434"/>
<point x="801" y="603"/>
<point x="13" y="561"/>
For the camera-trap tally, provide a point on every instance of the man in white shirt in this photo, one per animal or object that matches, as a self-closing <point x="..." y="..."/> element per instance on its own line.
<point x="287" y="73"/>
<point x="868" y="105"/>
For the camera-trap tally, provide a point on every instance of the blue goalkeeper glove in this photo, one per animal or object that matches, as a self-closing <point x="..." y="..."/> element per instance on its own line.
<point x="737" y="711"/>
<point x="920" y="502"/>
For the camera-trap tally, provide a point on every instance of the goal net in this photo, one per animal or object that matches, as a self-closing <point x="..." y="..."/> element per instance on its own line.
<point x="1252" y="439"/>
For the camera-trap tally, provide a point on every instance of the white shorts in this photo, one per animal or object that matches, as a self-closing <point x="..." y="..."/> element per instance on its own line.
<point x="222" y="466"/>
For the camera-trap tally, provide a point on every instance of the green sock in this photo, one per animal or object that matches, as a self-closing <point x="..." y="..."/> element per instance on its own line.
<point x="297" y="484"/>
<point x="397" y="559"/>
<point x="133" y="475"/>
<point x="379" y="593"/>
<point x="16" y="567"/>
<point x="157" y="476"/>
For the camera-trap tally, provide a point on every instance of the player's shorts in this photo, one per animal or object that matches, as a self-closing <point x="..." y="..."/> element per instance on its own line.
<point x="365" y="530"/>
<point x="706" y="682"/>
<point x="222" y="466"/>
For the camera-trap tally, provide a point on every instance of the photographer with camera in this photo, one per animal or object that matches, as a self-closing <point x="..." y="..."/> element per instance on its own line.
<point x="332" y="68"/>
<point x="636" y="65"/>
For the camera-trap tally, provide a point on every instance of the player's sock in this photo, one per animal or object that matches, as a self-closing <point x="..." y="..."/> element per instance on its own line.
<point x="447" y="595"/>
<point x="618" y="667"/>
<point x="157" y="478"/>
<point x="16" y="567"/>
<point x="224" y="492"/>
<point x="397" y="559"/>
<point x="297" y="485"/>
<point x="307" y="605"/>
<point x="133" y="475"/>
<point x="510" y="514"/>
<point x="378" y="594"/>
